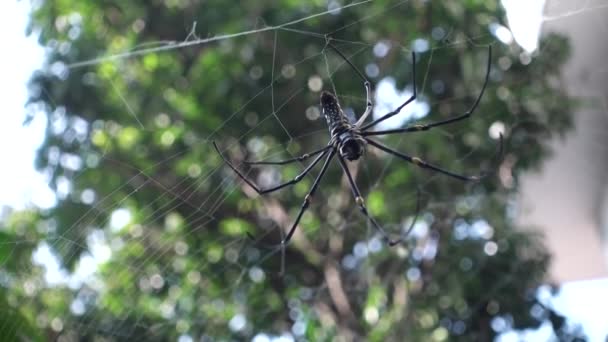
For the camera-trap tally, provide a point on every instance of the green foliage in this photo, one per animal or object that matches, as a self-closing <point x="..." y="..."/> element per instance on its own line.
<point x="182" y="264"/>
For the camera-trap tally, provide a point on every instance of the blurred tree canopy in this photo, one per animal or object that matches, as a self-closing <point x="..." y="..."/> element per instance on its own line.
<point x="128" y="153"/>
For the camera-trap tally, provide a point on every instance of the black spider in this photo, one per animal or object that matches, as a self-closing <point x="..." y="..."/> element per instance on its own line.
<point x="349" y="141"/>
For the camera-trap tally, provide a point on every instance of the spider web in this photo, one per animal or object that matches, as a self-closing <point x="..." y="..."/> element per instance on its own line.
<point x="234" y="254"/>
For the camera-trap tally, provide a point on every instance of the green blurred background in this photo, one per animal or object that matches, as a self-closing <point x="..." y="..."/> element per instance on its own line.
<point x="134" y="93"/>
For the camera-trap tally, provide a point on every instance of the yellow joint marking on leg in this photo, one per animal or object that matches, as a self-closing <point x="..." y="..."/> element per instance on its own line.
<point x="308" y="198"/>
<point x="419" y="127"/>
<point x="417" y="161"/>
<point x="359" y="200"/>
<point x="305" y="156"/>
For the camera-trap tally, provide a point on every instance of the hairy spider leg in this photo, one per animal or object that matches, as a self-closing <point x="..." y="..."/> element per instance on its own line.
<point x="303" y="208"/>
<point x="308" y="197"/>
<point x="288" y="161"/>
<point x="425" y="127"/>
<point x="398" y="109"/>
<point x="298" y="178"/>
<point x="262" y="191"/>
<point x="361" y="203"/>
<point x="366" y="83"/>
<point x="425" y="165"/>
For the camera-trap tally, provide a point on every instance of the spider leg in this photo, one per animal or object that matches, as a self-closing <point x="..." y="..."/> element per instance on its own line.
<point x="361" y="203"/>
<point x="304" y="206"/>
<point x="274" y="188"/>
<point x="425" y="127"/>
<point x="425" y="165"/>
<point x="409" y="229"/>
<point x="288" y="161"/>
<point x="308" y="197"/>
<point x="366" y="83"/>
<point x="369" y="106"/>
<point x="398" y="109"/>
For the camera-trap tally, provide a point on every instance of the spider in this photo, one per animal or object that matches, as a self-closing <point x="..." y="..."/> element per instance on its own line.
<point x="348" y="141"/>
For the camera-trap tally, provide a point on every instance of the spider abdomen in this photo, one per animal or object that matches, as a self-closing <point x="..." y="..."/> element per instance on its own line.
<point x="336" y="120"/>
<point x="350" y="143"/>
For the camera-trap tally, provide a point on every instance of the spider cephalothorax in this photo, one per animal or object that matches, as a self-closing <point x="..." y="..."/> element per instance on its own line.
<point x="346" y="136"/>
<point x="349" y="140"/>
